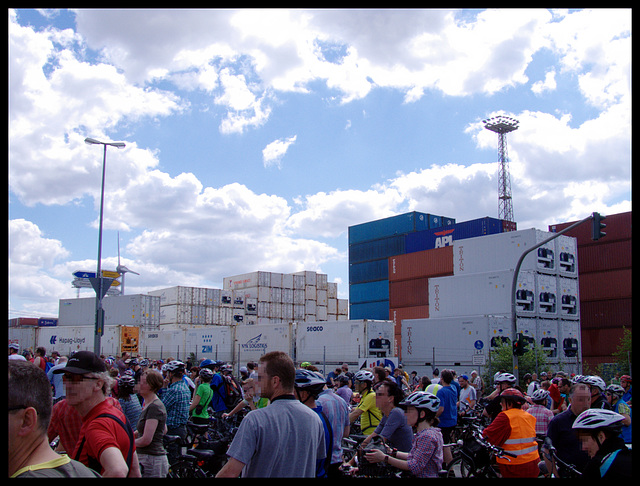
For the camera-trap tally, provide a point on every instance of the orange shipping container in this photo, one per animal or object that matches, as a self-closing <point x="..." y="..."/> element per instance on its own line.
<point x="428" y="263"/>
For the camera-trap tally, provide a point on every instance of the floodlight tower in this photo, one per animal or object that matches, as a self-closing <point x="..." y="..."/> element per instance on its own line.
<point x="503" y="125"/>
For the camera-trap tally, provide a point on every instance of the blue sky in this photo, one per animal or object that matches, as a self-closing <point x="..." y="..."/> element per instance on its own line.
<point x="255" y="138"/>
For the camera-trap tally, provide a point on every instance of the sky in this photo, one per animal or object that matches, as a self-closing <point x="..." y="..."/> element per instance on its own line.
<point x="256" y="137"/>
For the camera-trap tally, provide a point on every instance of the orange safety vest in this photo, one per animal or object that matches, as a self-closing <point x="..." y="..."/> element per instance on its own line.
<point x="522" y="440"/>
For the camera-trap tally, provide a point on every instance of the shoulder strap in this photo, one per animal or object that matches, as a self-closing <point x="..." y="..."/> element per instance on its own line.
<point x="607" y="461"/>
<point x="127" y="429"/>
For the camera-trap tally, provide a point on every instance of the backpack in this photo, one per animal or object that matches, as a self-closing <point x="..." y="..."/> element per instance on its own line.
<point x="232" y="392"/>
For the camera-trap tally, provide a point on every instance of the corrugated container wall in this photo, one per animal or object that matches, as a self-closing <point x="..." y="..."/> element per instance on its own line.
<point x="605" y="286"/>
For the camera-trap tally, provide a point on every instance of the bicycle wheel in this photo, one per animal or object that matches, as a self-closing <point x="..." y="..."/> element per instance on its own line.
<point x="460" y="467"/>
<point x="183" y="469"/>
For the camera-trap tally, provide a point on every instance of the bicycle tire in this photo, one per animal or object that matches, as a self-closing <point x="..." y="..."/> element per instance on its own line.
<point x="460" y="467"/>
<point x="185" y="469"/>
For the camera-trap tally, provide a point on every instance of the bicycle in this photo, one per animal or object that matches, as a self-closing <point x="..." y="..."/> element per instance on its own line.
<point x="565" y="470"/>
<point x="185" y="466"/>
<point x="475" y="458"/>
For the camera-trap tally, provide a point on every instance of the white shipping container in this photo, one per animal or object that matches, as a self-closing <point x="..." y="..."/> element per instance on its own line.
<point x="321" y="281"/>
<point x="25" y="337"/>
<point x="500" y="329"/>
<point x="310" y="292"/>
<point x="321" y="312"/>
<point x="251" y="307"/>
<point x="309" y="277"/>
<point x="168" y="341"/>
<point x="251" y="342"/>
<point x="287" y="312"/>
<point x="175" y="314"/>
<point x="253" y="279"/>
<point x="569" y="334"/>
<point x="321" y="297"/>
<point x="450" y="341"/>
<point x="287" y="281"/>
<point x="310" y="307"/>
<point x="547" y="295"/>
<point x="127" y="310"/>
<point x="343" y="307"/>
<point x="336" y="342"/>
<point x="212" y="342"/>
<point x="568" y="298"/>
<point x="298" y="312"/>
<point x="332" y="306"/>
<point x="332" y="290"/>
<point x="486" y="293"/>
<point x="212" y="297"/>
<point x="548" y="337"/>
<point x="70" y="339"/>
<point x="298" y="282"/>
<point x="174" y="295"/>
<point x="298" y="296"/>
<point x="567" y="251"/>
<point x="276" y="280"/>
<point x="501" y="251"/>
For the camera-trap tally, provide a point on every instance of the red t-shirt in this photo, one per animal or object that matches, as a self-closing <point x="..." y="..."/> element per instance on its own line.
<point x="554" y="393"/>
<point x="101" y="433"/>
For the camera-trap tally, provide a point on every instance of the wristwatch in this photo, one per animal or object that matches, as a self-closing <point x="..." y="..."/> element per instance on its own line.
<point x="386" y="459"/>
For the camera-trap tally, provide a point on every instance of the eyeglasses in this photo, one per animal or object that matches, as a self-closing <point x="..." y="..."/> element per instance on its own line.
<point x="18" y="407"/>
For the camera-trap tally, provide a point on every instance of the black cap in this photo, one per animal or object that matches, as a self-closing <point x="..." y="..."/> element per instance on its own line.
<point x="83" y="362"/>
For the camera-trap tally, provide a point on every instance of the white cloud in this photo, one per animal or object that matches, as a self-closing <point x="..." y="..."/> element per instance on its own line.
<point x="549" y="83"/>
<point x="273" y="153"/>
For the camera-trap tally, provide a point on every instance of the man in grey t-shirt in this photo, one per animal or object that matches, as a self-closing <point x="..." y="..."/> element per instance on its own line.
<point x="283" y="439"/>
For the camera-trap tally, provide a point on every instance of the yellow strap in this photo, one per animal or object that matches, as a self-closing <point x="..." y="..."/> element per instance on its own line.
<point x="53" y="463"/>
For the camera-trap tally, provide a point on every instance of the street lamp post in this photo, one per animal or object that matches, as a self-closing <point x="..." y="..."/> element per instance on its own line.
<point x="100" y="284"/>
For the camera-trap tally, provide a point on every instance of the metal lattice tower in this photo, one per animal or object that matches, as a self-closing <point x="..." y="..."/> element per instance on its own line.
<point x="503" y="125"/>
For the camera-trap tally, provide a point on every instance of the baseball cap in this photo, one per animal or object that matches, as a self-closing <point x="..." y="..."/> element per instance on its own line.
<point x="83" y="362"/>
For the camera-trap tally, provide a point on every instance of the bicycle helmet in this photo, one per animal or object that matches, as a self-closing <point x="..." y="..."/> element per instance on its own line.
<point x="626" y="378"/>
<point x="540" y="395"/>
<point x="176" y="365"/>
<point x="126" y="382"/>
<point x="309" y="381"/>
<point x="364" y="375"/>
<point x="577" y="379"/>
<point x="595" y="381"/>
<point x="615" y="390"/>
<point x="205" y="373"/>
<point x="598" y="418"/>
<point x="144" y="362"/>
<point x="305" y="364"/>
<point x="421" y="400"/>
<point x="513" y="394"/>
<point x="505" y="377"/>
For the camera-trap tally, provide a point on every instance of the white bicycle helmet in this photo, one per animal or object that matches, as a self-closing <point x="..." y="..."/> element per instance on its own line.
<point x="595" y="381"/>
<point x="205" y="373"/>
<point x="598" y="418"/>
<point x="505" y="377"/>
<point x="615" y="390"/>
<point x="176" y="365"/>
<point x="364" y="375"/>
<point x="539" y="395"/>
<point x="421" y="400"/>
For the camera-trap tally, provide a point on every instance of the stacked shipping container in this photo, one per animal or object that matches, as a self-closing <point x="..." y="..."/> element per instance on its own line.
<point x="254" y="298"/>
<point x="605" y="286"/>
<point x="370" y="246"/>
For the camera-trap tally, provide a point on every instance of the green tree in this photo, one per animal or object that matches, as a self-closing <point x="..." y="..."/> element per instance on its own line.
<point x="533" y="360"/>
<point x="622" y="356"/>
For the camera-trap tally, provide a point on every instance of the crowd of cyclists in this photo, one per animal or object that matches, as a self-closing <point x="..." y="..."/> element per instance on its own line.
<point x="104" y="416"/>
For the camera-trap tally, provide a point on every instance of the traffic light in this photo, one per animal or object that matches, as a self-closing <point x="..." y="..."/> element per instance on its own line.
<point x="598" y="226"/>
<point x="519" y="345"/>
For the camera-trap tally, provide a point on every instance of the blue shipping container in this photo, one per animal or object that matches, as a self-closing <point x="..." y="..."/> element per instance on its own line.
<point x="369" y="271"/>
<point x="377" y="249"/>
<point x="444" y="236"/>
<point x="370" y="310"/>
<point x="382" y="228"/>
<point x="369" y="292"/>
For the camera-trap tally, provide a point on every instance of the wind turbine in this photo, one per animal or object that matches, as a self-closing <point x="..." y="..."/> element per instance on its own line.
<point x="121" y="269"/>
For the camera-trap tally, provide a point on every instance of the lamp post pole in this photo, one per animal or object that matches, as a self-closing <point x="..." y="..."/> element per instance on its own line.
<point x="101" y="285"/>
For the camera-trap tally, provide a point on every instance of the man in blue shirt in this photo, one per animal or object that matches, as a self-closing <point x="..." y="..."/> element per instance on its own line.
<point x="217" y="385"/>
<point x="448" y="412"/>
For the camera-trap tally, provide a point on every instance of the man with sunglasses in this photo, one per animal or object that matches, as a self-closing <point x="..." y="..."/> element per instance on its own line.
<point x="30" y="455"/>
<point x="106" y="442"/>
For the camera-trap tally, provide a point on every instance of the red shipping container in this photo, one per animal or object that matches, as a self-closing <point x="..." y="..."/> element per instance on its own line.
<point x="614" y="284"/>
<point x="409" y="293"/>
<point x="604" y="256"/>
<point x="428" y="263"/>
<point x="598" y="314"/>
<point x="618" y="228"/>
<point x="600" y="342"/>
<point x="397" y="315"/>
